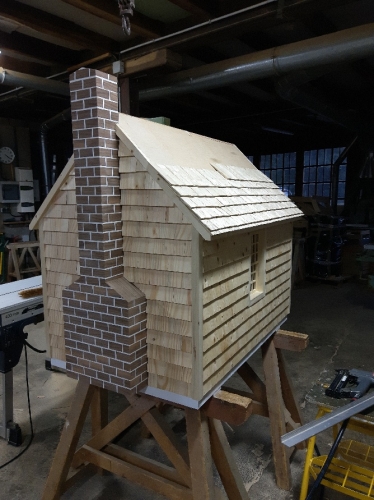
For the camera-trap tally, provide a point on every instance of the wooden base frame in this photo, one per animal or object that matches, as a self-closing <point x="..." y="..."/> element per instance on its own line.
<point x="191" y="474"/>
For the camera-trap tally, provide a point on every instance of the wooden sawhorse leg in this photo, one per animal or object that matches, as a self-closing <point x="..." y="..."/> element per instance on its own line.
<point x="191" y="474"/>
<point x="275" y="397"/>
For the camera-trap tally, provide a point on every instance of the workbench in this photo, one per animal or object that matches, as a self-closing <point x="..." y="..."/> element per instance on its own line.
<point x="15" y="312"/>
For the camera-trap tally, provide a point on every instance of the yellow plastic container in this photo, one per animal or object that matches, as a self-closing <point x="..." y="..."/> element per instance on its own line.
<point x="353" y="473"/>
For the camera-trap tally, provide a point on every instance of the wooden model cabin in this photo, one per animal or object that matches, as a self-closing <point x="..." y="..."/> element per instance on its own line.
<point x="195" y="280"/>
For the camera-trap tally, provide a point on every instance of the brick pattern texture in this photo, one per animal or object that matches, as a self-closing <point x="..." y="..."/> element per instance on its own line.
<point x="105" y="331"/>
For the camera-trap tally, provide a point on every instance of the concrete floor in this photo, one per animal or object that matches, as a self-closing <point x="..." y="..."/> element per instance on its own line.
<point x="339" y="321"/>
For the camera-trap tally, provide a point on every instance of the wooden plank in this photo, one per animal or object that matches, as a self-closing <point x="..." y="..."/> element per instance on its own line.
<point x="166" y="439"/>
<point x="129" y="163"/>
<point x="45" y="292"/>
<point x="228" y="407"/>
<point x="157" y="246"/>
<point x="59" y="278"/>
<point x="221" y="354"/>
<point x="137" y="180"/>
<point x="257" y="408"/>
<point x="197" y="315"/>
<point x="157" y="262"/>
<point x="276" y="414"/>
<point x="223" y="288"/>
<point x="62" y="252"/>
<point x="174" y="311"/>
<point x="145" y="198"/>
<point x="68" y="441"/>
<point x="170" y="279"/>
<point x="277" y="252"/>
<point x="274" y="293"/>
<point x="169" y="325"/>
<point x="225" y="462"/>
<point x="151" y="60"/>
<point x="215" y="277"/>
<point x="131" y="414"/>
<point x="167" y="370"/>
<point x="99" y="413"/>
<point x="254" y="382"/>
<point x="214" y="375"/>
<point x="137" y="475"/>
<point x="291" y="341"/>
<point x="63" y="225"/>
<point x="51" y="195"/>
<point x="124" y="150"/>
<point x="167" y="355"/>
<point x="288" y="394"/>
<point x="169" y="384"/>
<point x="145" y="463"/>
<point x="166" y="294"/>
<point x="161" y="231"/>
<point x="233" y="249"/>
<point x="279" y="234"/>
<point x="62" y="266"/>
<point x="169" y="340"/>
<point x="154" y="214"/>
<point x="222" y="302"/>
<point x="200" y="455"/>
<point x="61" y="239"/>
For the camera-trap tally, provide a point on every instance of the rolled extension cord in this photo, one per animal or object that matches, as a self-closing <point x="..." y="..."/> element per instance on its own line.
<point x="330" y="456"/>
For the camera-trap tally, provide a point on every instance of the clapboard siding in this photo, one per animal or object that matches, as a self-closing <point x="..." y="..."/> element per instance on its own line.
<point x="58" y="234"/>
<point x="157" y="259"/>
<point x="231" y="325"/>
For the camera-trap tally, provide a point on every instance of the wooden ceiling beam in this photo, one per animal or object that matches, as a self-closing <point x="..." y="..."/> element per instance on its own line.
<point x="108" y="10"/>
<point x="27" y="48"/>
<point x="197" y="9"/>
<point x="54" y="29"/>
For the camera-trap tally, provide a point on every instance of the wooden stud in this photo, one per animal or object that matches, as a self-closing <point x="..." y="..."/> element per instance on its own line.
<point x="130" y="415"/>
<point x="254" y="382"/>
<point x="276" y="414"/>
<point x="229" y="407"/>
<point x="164" y="436"/>
<point x="135" y="474"/>
<point x="200" y="455"/>
<point x="99" y="412"/>
<point x="291" y="341"/>
<point x="288" y="394"/>
<point x="225" y="462"/>
<point x="69" y="440"/>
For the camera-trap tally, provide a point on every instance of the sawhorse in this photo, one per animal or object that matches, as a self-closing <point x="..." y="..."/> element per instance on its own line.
<point x="191" y="476"/>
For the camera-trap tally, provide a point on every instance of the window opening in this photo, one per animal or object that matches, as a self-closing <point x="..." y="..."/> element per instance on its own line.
<point x="318" y="170"/>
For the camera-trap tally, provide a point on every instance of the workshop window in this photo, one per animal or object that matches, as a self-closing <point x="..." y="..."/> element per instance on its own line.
<point x="281" y="169"/>
<point x="257" y="267"/>
<point x="318" y="170"/>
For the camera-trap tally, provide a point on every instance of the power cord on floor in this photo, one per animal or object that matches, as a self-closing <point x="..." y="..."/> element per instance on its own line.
<point x="26" y="344"/>
<point x="328" y="460"/>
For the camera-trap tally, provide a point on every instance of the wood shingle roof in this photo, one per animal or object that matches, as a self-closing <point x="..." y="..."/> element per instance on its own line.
<point x="212" y="182"/>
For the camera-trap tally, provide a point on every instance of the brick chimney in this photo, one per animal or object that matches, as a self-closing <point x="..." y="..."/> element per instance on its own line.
<point x="104" y="314"/>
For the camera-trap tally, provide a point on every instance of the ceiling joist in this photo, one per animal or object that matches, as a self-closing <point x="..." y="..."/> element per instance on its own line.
<point x="53" y="29"/>
<point x="140" y="25"/>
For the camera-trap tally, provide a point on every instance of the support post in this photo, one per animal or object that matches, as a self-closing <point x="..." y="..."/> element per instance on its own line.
<point x="276" y="414"/>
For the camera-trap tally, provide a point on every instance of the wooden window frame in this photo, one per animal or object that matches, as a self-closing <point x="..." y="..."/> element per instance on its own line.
<point x="257" y="275"/>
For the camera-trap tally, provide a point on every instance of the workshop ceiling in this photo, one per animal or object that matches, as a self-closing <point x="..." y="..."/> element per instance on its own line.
<point x="178" y="57"/>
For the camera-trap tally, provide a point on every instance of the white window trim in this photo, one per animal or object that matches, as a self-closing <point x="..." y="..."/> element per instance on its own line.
<point x="259" y="292"/>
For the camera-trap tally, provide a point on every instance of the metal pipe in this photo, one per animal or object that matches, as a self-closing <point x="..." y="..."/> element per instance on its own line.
<point x="316" y="426"/>
<point x="44" y="128"/>
<point x="343" y="46"/>
<point x="16" y="79"/>
<point x="198" y="30"/>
